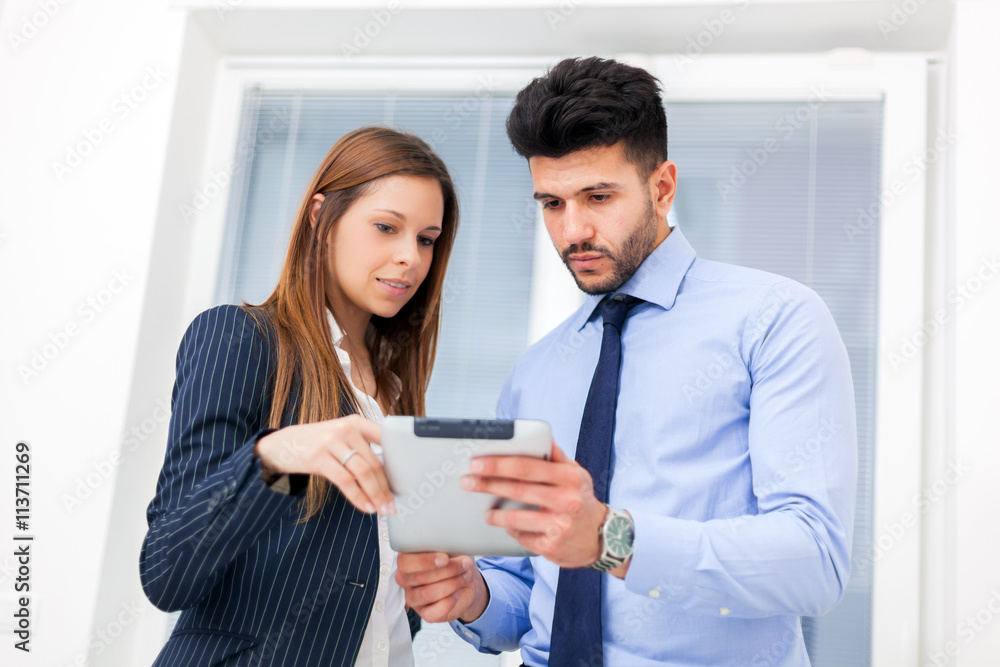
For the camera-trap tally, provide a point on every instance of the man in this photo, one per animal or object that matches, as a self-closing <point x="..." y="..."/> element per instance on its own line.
<point x="705" y="499"/>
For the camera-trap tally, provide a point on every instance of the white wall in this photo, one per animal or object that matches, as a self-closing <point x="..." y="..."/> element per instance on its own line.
<point x="62" y="240"/>
<point x="71" y="237"/>
<point x="971" y="546"/>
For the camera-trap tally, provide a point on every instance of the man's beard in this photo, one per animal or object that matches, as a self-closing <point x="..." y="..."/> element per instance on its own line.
<point x="624" y="262"/>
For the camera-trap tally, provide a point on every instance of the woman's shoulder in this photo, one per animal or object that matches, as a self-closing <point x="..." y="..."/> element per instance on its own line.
<point x="231" y="318"/>
<point x="227" y="326"/>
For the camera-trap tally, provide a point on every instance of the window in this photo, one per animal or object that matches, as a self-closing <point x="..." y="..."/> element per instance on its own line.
<point x="485" y="320"/>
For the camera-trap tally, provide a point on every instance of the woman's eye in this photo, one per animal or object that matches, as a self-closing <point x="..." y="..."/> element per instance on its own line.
<point x="426" y="241"/>
<point x="382" y="227"/>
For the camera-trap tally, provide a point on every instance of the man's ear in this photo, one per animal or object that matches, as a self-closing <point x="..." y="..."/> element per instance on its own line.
<point x="315" y="203"/>
<point x="663" y="183"/>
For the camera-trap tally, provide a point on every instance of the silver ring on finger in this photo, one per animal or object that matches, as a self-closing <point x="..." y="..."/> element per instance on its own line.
<point x="347" y="458"/>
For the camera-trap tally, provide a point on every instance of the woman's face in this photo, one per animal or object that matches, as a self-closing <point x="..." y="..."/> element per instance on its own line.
<point x="381" y="249"/>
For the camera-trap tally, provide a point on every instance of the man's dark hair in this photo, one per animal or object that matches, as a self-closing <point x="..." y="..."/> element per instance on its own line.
<point x="589" y="102"/>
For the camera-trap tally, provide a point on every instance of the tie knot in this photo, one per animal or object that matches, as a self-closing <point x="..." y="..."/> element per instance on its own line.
<point x="614" y="308"/>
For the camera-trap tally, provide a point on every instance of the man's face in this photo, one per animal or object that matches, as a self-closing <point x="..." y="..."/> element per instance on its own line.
<point x="602" y="215"/>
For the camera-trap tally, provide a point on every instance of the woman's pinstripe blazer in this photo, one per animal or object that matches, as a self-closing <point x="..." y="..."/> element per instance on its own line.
<point x="255" y="587"/>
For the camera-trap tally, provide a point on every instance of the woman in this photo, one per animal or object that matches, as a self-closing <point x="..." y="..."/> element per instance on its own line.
<point x="268" y="526"/>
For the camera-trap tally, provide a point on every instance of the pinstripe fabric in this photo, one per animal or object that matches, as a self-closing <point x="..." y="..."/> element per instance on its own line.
<point x="254" y="587"/>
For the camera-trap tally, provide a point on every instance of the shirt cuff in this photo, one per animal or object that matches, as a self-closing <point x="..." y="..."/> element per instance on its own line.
<point x="483" y="628"/>
<point x="664" y="557"/>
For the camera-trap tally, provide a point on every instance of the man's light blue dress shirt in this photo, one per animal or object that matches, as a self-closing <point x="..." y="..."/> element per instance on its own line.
<point x="735" y="452"/>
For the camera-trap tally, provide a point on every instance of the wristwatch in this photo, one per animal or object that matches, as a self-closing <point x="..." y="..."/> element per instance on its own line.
<point x="617" y="535"/>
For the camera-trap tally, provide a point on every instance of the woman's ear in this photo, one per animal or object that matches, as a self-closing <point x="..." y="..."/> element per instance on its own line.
<point x="316" y="202"/>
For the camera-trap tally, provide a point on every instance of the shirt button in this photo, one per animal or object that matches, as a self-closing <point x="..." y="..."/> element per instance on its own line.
<point x="469" y="634"/>
<point x="381" y="646"/>
<point x="724" y="611"/>
<point x="385" y="535"/>
<point x="655" y="593"/>
<point x="379" y="606"/>
<point x="384" y="570"/>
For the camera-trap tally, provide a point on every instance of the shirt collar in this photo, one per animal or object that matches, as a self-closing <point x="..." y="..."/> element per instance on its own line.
<point x="657" y="280"/>
<point x="335" y="330"/>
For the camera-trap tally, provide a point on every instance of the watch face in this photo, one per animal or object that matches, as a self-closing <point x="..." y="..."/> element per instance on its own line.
<point x="618" y="537"/>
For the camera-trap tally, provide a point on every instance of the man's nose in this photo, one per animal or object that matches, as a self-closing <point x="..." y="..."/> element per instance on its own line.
<point x="577" y="225"/>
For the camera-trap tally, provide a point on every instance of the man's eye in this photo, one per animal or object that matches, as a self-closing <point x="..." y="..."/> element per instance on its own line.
<point x="600" y="198"/>
<point x="552" y="203"/>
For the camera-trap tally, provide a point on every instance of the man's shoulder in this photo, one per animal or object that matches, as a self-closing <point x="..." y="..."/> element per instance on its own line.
<point x="745" y="287"/>
<point x="721" y="273"/>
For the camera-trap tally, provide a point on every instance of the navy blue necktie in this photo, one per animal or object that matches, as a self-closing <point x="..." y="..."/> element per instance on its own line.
<point x="576" y="622"/>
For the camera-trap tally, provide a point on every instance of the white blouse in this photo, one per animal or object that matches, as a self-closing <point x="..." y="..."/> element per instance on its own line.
<point x="387" y="638"/>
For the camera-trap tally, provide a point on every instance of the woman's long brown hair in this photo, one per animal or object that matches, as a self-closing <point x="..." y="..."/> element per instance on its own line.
<point x="307" y="368"/>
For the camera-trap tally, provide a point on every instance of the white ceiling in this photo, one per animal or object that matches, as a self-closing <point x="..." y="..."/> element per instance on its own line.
<point x="573" y="27"/>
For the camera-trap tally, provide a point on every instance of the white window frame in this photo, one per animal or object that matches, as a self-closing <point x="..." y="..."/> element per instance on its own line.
<point x="899" y="79"/>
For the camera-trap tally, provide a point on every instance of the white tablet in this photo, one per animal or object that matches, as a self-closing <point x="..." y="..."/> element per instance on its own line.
<point x="425" y="460"/>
